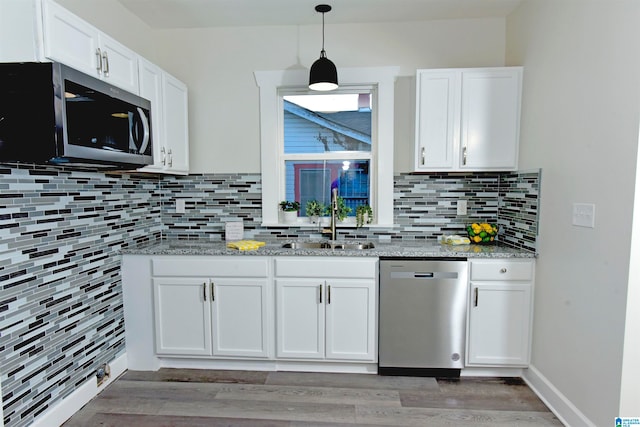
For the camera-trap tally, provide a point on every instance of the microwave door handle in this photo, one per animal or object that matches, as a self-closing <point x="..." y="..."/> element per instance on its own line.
<point x="145" y="130"/>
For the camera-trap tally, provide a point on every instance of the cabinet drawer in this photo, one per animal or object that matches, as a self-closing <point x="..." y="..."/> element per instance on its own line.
<point x="502" y="270"/>
<point x="326" y="267"/>
<point x="210" y="266"/>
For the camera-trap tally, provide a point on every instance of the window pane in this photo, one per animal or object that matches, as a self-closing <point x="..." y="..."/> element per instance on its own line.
<point x="329" y="127"/>
<point x="313" y="180"/>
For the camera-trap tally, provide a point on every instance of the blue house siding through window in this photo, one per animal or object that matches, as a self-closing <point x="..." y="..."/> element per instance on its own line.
<point x="308" y="132"/>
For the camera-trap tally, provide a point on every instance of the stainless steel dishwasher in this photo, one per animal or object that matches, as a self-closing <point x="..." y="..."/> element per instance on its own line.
<point x="423" y="305"/>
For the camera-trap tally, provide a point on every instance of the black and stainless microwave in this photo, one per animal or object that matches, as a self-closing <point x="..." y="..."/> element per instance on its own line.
<point x="50" y="113"/>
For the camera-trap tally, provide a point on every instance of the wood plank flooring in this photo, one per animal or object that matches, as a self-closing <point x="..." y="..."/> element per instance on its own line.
<point x="194" y="398"/>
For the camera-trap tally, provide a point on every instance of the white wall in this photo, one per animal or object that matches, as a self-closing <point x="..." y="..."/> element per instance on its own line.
<point x="580" y="113"/>
<point x="218" y="66"/>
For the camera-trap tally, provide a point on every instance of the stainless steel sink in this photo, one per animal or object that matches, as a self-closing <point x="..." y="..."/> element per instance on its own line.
<point x="329" y="245"/>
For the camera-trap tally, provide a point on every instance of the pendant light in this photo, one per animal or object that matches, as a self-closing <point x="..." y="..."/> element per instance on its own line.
<point x="323" y="75"/>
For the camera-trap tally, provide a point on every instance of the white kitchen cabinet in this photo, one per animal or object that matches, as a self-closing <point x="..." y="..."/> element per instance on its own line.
<point x="169" y="119"/>
<point x="326" y="308"/>
<point x="240" y="325"/>
<point x="42" y="30"/>
<point x="467" y="119"/>
<point x="182" y="316"/>
<point x="500" y="313"/>
<point x="208" y="306"/>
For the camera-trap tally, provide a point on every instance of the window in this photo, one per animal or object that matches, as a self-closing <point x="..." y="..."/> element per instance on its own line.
<point x="305" y="162"/>
<point x="327" y="144"/>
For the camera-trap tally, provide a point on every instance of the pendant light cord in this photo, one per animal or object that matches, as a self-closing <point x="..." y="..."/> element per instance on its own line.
<point x="322" y="52"/>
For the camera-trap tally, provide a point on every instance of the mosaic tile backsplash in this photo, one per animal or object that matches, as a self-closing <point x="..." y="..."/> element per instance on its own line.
<point x="424" y="207"/>
<point x="61" y="310"/>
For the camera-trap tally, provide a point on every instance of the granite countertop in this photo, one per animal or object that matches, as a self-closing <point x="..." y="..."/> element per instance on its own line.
<point x="381" y="249"/>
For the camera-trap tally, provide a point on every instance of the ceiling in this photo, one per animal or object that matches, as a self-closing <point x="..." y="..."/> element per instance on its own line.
<point x="226" y="13"/>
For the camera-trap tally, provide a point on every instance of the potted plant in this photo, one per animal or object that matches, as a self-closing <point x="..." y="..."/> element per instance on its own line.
<point x="364" y="215"/>
<point x="343" y="209"/>
<point x="314" y="209"/>
<point x="290" y="210"/>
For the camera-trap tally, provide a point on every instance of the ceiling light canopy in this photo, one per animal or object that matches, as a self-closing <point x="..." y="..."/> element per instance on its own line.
<point x="323" y="75"/>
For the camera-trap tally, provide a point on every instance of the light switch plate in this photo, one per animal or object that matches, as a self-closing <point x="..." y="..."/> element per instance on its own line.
<point x="462" y="207"/>
<point x="584" y="215"/>
<point x="181" y="205"/>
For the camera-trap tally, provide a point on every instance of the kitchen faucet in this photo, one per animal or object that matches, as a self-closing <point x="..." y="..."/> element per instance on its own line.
<point x="334" y="212"/>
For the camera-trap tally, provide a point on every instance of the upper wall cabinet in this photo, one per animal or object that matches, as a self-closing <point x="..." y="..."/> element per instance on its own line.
<point x="169" y="118"/>
<point x="48" y="32"/>
<point x="467" y="119"/>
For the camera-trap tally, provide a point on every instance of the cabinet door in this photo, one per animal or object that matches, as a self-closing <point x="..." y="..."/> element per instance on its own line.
<point x="182" y="316"/>
<point x="490" y="123"/>
<point x="437" y="119"/>
<point x="499" y="324"/>
<point x="119" y="64"/>
<point x="70" y="40"/>
<point x="300" y="318"/>
<point x="239" y="317"/>
<point x="150" y="81"/>
<point x="351" y="319"/>
<point x="175" y="124"/>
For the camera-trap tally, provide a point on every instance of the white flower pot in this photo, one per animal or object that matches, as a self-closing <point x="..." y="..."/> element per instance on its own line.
<point x="290" y="216"/>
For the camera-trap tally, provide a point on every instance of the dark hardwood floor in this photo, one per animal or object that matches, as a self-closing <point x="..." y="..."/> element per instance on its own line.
<point x="184" y="397"/>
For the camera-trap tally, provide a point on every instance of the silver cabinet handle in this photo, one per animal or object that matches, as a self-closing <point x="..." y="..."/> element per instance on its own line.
<point x="99" y="60"/>
<point x="329" y="294"/>
<point x="503" y="270"/>
<point x="320" y="293"/>
<point x="105" y="65"/>
<point x="422" y="155"/>
<point x="164" y="156"/>
<point x="475" y="297"/>
<point x="170" y="158"/>
<point x="213" y="292"/>
<point x="464" y="155"/>
<point x="204" y="291"/>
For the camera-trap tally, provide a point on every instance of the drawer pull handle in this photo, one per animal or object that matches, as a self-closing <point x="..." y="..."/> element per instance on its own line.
<point x="320" y="294"/>
<point x="213" y="292"/>
<point x="503" y="270"/>
<point x="329" y="294"/>
<point x="204" y="291"/>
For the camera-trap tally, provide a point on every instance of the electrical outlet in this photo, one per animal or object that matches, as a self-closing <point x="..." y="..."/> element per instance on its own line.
<point x="181" y="205"/>
<point x="103" y="373"/>
<point x="584" y="215"/>
<point x="462" y="207"/>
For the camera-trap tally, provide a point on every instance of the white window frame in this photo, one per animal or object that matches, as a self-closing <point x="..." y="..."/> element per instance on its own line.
<point x="271" y="135"/>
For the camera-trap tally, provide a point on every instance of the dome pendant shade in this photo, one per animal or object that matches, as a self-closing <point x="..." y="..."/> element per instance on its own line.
<point x="323" y="75"/>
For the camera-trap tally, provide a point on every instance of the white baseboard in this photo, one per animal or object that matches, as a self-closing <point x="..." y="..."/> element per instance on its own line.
<point x="269" y="365"/>
<point x="559" y="404"/>
<point x="71" y="404"/>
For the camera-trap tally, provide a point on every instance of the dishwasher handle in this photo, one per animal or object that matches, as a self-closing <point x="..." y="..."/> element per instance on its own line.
<point x="423" y="275"/>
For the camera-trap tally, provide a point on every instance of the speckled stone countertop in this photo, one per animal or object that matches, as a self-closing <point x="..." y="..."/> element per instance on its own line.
<point x="382" y="249"/>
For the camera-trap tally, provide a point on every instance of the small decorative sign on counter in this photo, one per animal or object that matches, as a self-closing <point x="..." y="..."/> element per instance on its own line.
<point x="233" y="231"/>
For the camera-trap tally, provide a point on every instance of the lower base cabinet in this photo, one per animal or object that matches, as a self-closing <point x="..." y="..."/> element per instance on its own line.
<point x="326" y="308"/>
<point x="500" y="310"/>
<point x="326" y="319"/>
<point x="214" y="315"/>
<point x="301" y="310"/>
<point x="182" y="317"/>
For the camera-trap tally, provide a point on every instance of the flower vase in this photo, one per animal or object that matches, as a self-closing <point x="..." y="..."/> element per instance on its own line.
<point x="290" y="216"/>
